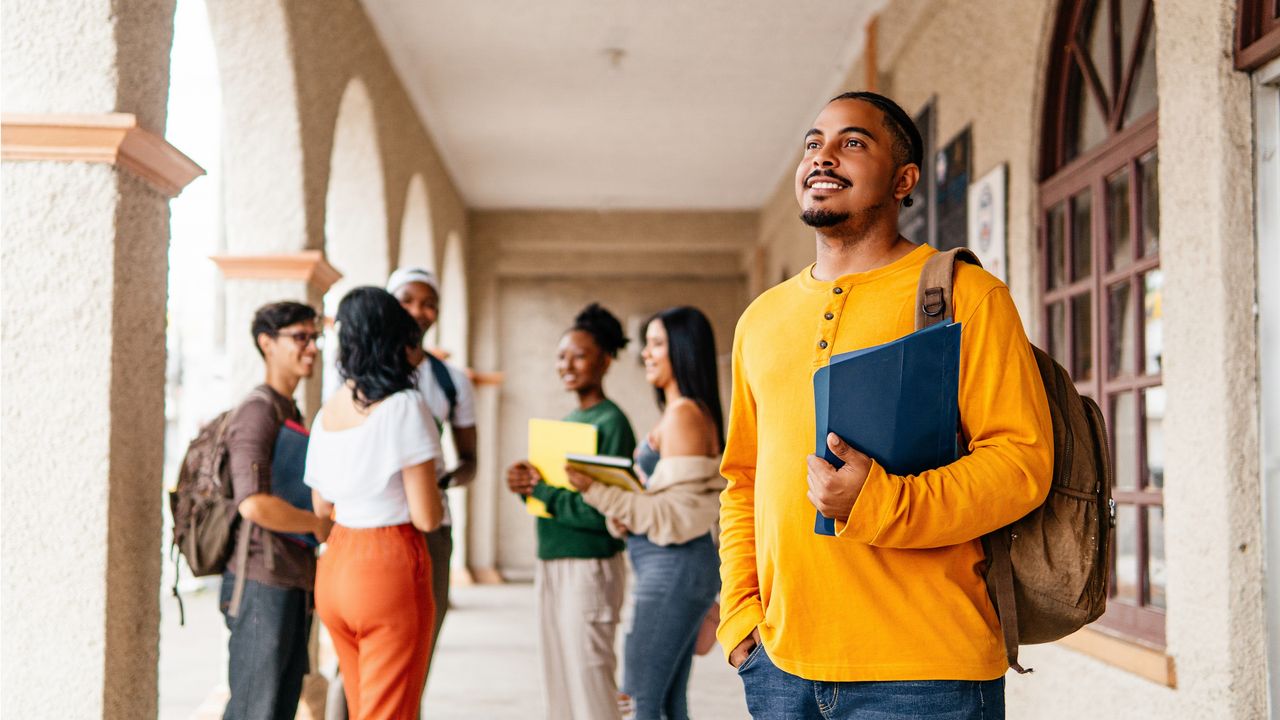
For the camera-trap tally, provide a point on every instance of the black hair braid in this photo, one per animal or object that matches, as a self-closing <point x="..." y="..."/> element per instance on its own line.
<point x="603" y="327"/>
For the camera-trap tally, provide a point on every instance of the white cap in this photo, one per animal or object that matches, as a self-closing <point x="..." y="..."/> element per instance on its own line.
<point x="406" y="275"/>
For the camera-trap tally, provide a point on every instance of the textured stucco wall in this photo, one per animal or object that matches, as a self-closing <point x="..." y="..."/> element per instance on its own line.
<point x="532" y="271"/>
<point x="985" y="66"/>
<point x="86" y="56"/>
<point x="1212" y="499"/>
<point x="84" y="277"/>
<point x="83" y="425"/>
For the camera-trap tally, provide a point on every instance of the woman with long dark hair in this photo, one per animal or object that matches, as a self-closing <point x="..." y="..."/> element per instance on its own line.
<point x="671" y="524"/>
<point x="581" y="574"/>
<point x="370" y="464"/>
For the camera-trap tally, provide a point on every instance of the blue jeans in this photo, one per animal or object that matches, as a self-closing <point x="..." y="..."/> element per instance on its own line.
<point x="675" y="586"/>
<point x="776" y="695"/>
<point x="267" y="650"/>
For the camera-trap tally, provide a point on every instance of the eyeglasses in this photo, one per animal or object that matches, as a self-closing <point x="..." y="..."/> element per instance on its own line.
<point x="305" y="338"/>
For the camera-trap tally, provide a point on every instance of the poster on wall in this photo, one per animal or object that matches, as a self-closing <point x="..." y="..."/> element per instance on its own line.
<point x="987" y="222"/>
<point x="916" y="223"/>
<point x="951" y="171"/>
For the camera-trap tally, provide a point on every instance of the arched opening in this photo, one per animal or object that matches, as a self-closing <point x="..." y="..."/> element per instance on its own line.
<point x="454" y="319"/>
<point x="417" y="246"/>
<point x="355" y="211"/>
<point x="1100" y="272"/>
<point x="355" y="225"/>
<point x="196" y="378"/>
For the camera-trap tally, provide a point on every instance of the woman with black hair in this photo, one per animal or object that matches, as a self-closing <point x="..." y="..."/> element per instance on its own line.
<point x="671" y="541"/>
<point x="370" y="464"/>
<point x="581" y="574"/>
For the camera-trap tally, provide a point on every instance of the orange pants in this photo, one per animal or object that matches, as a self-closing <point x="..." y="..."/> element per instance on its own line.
<point x="373" y="592"/>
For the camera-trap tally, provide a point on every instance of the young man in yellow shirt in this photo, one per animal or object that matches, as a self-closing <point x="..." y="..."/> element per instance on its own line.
<point x="890" y="618"/>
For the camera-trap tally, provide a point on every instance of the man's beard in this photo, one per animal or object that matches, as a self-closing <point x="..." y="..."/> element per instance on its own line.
<point x="822" y="218"/>
<point x="855" y="224"/>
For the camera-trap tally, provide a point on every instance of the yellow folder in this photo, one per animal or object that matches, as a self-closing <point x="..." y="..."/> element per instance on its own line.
<point x="549" y="442"/>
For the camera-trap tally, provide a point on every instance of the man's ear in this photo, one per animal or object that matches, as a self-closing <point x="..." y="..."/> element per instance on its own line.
<point x="263" y="339"/>
<point x="908" y="178"/>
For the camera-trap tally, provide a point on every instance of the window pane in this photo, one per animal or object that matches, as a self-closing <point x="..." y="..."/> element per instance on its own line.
<point x="1081" y="338"/>
<point x="1124" y="442"/>
<point x="1127" y="554"/>
<point x="1122" y="340"/>
<point x="1090" y="125"/>
<point x="1148" y="166"/>
<point x="1081" y="236"/>
<point x="1142" y="95"/>
<point x="1153" y="322"/>
<point x="1056" y="242"/>
<point x="1058" y="333"/>
<point x="1130" y="14"/>
<point x="1155" y="557"/>
<point x="1153" y="403"/>
<point x="1118" y="228"/>
<point x="1099" y="44"/>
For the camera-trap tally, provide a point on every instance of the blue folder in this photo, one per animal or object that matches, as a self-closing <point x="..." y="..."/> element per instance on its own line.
<point x="895" y="402"/>
<point x="288" y="461"/>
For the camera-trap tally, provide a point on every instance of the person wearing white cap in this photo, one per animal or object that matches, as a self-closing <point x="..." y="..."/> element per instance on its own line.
<point x="451" y="399"/>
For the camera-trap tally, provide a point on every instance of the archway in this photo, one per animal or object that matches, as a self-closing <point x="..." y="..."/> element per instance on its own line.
<point x="454" y="319"/>
<point x="355" y="225"/>
<point x="417" y="245"/>
<point x="355" y="209"/>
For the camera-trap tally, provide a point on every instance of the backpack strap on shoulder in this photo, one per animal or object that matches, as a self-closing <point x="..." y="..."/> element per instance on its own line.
<point x="933" y="295"/>
<point x="440" y="372"/>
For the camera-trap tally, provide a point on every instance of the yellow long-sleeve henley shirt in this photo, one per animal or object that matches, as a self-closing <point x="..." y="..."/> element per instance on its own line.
<point x="898" y="594"/>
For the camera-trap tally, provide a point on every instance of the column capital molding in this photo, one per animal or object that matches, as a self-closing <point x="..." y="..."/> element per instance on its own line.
<point x="309" y="266"/>
<point x="112" y="138"/>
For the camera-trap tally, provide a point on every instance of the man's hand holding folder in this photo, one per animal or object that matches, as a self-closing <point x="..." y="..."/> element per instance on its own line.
<point x="833" y="492"/>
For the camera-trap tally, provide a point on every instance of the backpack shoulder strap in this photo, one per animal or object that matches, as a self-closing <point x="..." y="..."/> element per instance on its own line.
<point x="441" y="373"/>
<point x="933" y="294"/>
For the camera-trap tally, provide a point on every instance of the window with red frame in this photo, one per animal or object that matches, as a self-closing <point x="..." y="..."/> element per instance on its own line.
<point x="1101" y="280"/>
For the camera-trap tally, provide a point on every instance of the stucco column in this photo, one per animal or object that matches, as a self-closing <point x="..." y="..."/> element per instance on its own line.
<point x="1212" y="492"/>
<point x="256" y="280"/>
<point x="83" y="323"/>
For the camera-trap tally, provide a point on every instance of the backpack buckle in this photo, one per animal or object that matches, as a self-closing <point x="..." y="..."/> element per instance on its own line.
<point x="933" y="304"/>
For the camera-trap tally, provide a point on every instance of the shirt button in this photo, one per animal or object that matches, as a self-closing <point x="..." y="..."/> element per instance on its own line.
<point x="838" y="290"/>
<point x="828" y="316"/>
<point x="823" y="344"/>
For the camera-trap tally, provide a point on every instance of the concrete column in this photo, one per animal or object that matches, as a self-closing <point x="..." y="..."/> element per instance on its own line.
<point x="83" y="323"/>
<point x="1212" y="492"/>
<point x="256" y="280"/>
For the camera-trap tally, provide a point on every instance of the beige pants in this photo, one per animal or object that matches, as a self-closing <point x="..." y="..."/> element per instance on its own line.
<point x="579" y="601"/>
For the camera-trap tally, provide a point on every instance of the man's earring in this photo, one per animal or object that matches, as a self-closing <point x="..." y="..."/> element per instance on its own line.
<point x="908" y="201"/>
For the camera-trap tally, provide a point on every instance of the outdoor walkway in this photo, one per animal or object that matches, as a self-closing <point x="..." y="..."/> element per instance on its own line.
<point x="486" y="665"/>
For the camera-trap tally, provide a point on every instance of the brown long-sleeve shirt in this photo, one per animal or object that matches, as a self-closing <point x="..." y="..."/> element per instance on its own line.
<point x="251" y="439"/>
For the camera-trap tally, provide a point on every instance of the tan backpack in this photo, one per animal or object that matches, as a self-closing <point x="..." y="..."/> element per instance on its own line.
<point x="1048" y="572"/>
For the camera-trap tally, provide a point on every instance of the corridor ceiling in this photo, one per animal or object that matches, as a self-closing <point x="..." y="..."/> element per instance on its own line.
<point x="620" y="104"/>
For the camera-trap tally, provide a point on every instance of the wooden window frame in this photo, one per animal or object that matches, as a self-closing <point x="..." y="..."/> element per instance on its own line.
<point x="1064" y="177"/>
<point x="1257" y="33"/>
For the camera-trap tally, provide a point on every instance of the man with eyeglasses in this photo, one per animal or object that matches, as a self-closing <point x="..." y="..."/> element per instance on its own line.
<point x="269" y="615"/>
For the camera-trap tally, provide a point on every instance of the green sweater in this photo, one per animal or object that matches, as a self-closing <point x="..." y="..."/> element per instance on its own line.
<point x="575" y="529"/>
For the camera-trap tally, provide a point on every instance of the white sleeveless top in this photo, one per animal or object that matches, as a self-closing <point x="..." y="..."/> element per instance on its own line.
<point x="359" y="469"/>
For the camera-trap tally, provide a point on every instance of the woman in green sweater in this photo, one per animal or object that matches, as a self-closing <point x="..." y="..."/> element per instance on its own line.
<point x="581" y="574"/>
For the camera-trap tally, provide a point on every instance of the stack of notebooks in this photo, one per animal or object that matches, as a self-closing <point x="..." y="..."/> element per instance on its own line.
<point x="553" y="444"/>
